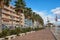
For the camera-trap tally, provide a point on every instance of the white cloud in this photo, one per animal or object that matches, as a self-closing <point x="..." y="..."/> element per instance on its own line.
<point x="51" y="18"/>
<point x="56" y="10"/>
<point x="44" y="15"/>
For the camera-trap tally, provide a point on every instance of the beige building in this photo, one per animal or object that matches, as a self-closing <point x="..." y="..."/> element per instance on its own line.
<point x="9" y="18"/>
<point x="22" y="20"/>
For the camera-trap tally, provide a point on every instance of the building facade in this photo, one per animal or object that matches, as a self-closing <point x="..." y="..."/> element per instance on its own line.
<point x="22" y="18"/>
<point x="37" y="24"/>
<point x="28" y="23"/>
<point x="10" y="19"/>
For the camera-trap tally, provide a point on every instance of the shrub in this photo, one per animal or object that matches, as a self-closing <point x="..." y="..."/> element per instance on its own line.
<point x="29" y="29"/>
<point x="35" y="29"/>
<point x="17" y="30"/>
<point x="23" y="30"/>
<point x="12" y="32"/>
<point x="5" y="32"/>
<point x="1" y="35"/>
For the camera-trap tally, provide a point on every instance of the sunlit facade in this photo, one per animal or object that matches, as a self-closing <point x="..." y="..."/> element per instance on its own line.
<point x="28" y="23"/>
<point x="10" y="19"/>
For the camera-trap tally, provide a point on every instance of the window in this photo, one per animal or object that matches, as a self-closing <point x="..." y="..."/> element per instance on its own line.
<point x="6" y="14"/>
<point x="21" y="15"/>
<point x="21" y="25"/>
<point x="6" y="9"/>
<point x="17" y="21"/>
<point x="21" y="18"/>
<point x="21" y="21"/>
<point x="6" y="20"/>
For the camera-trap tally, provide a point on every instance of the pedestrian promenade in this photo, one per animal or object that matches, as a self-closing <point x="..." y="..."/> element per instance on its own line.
<point x="56" y="32"/>
<point x="44" y="34"/>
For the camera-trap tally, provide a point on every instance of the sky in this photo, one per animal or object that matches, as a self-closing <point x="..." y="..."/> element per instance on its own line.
<point x="45" y="8"/>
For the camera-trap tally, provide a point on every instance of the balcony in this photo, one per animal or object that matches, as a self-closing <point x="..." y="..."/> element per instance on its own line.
<point x="6" y="23"/>
<point x="8" y="8"/>
<point x="16" y="19"/>
<point x="9" y="13"/>
<point x="7" y="17"/>
<point x="15" y="23"/>
<point x="6" y="12"/>
<point x="15" y="15"/>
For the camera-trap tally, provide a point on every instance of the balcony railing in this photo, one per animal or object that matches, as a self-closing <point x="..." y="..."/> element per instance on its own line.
<point x="6" y="23"/>
<point x="7" y="12"/>
<point x="16" y="19"/>
<point x="7" y="17"/>
<point x="15" y="23"/>
<point x="9" y="8"/>
<point x="15" y="15"/>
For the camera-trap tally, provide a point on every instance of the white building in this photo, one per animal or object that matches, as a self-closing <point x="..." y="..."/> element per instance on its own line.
<point x="28" y="23"/>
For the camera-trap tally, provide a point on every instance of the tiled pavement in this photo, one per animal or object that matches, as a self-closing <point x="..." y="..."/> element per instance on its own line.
<point x="56" y="32"/>
<point x="44" y="34"/>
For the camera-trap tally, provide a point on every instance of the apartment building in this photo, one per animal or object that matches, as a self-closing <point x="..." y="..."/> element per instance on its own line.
<point x="36" y="24"/>
<point x="9" y="18"/>
<point x="22" y="18"/>
<point x="28" y="23"/>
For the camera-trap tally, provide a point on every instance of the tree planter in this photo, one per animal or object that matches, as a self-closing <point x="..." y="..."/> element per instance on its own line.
<point x="10" y="37"/>
<point x="28" y="32"/>
<point x="32" y="31"/>
<point x="22" y="34"/>
<point x="14" y="36"/>
<point x="2" y="39"/>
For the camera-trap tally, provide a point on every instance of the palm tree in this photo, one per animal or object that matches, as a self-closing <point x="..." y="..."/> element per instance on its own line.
<point x="37" y="17"/>
<point x="4" y="2"/>
<point x="40" y="20"/>
<point x="33" y="16"/>
<point x="7" y="2"/>
<point x="28" y="13"/>
<point x="25" y="13"/>
<point x="19" y="6"/>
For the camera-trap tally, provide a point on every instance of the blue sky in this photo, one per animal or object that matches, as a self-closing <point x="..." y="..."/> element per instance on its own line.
<point x="43" y="4"/>
<point x="44" y="8"/>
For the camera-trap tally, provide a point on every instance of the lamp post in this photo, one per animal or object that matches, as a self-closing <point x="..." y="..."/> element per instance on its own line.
<point x="56" y="25"/>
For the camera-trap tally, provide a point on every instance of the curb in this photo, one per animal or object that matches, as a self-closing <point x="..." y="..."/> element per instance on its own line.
<point x="53" y="35"/>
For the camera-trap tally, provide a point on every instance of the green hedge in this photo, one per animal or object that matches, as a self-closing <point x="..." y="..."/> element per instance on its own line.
<point x="16" y="31"/>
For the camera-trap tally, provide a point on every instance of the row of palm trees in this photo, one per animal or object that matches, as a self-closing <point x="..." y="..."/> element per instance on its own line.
<point x="20" y="7"/>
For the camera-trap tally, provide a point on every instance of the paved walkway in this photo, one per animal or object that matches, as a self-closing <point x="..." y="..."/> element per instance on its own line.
<point x="56" y="32"/>
<point x="44" y="34"/>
